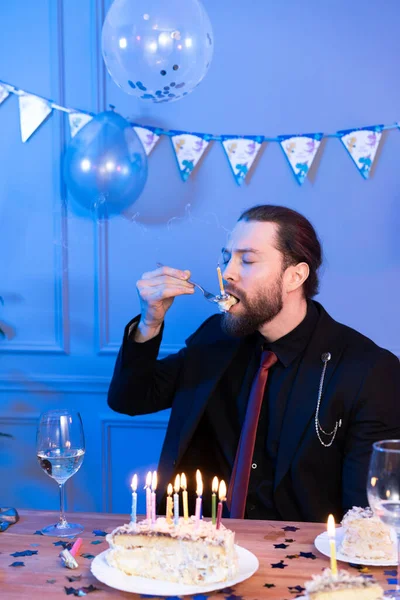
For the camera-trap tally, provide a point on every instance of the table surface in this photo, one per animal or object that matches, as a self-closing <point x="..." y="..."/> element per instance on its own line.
<point x="43" y="577"/>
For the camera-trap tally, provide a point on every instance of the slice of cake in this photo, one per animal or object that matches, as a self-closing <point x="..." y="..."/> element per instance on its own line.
<point x="365" y="536"/>
<point x="226" y="302"/>
<point x="187" y="553"/>
<point x="342" y="586"/>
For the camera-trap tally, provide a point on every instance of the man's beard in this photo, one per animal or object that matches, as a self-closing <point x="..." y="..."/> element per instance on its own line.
<point x="261" y="309"/>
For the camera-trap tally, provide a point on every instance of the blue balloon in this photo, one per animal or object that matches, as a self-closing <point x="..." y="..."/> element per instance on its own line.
<point x="157" y="50"/>
<point x="105" y="165"/>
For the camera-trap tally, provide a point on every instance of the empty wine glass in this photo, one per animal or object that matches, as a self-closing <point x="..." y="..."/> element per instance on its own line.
<point x="383" y="490"/>
<point x="60" y="449"/>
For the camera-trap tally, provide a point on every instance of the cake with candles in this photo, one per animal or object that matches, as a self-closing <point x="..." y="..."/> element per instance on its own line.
<point x="365" y="536"/>
<point x="342" y="586"/>
<point x="191" y="552"/>
<point x="185" y="550"/>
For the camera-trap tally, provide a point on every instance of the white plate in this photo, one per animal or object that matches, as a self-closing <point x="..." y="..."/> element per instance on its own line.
<point x="247" y="562"/>
<point x="321" y="543"/>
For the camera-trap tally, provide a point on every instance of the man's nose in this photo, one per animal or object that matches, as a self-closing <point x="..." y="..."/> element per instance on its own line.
<point x="230" y="272"/>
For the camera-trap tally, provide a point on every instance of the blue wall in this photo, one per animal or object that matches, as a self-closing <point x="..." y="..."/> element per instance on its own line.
<point x="69" y="283"/>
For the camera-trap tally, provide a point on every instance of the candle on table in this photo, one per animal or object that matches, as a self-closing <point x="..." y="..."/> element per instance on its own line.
<point x="134" y="498"/>
<point x="147" y="487"/>
<point x="222" y="498"/>
<point x="221" y="283"/>
<point x="153" y="496"/>
<point x="169" y="504"/>
<point x="199" y="492"/>
<point x="332" y="543"/>
<point x="185" y="498"/>
<point x="214" y="487"/>
<point x="177" y="487"/>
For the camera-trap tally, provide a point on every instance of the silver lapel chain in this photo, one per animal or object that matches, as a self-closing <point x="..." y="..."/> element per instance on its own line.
<point x="325" y="357"/>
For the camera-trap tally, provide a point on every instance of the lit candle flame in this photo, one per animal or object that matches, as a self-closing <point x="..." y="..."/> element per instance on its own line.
<point x="169" y="489"/>
<point x="148" y="480"/>
<point x="214" y="485"/>
<point x="331" y="527"/>
<point x="183" y="481"/>
<point x="154" y="481"/>
<point x="199" y="483"/>
<point x="222" y="491"/>
<point x="374" y="481"/>
<point x="134" y="483"/>
<point x="177" y="484"/>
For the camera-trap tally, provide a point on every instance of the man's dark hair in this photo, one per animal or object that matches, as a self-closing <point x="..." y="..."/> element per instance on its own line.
<point x="296" y="239"/>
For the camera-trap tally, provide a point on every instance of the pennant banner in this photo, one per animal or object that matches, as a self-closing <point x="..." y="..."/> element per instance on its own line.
<point x="300" y="150"/>
<point x="32" y="112"/>
<point x="77" y="121"/>
<point x="188" y="148"/>
<point x="4" y="93"/>
<point x="241" y="153"/>
<point x="148" y="137"/>
<point x="362" y="145"/>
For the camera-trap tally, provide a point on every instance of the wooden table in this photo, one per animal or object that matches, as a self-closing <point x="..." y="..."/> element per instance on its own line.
<point x="43" y="577"/>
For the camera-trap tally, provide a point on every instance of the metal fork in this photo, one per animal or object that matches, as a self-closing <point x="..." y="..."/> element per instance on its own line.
<point x="207" y="295"/>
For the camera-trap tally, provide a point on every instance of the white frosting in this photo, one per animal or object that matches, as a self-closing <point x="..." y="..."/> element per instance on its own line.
<point x="343" y="580"/>
<point x="365" y="536"/>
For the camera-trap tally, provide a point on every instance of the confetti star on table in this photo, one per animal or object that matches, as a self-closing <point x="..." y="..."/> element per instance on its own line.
<point x="97" y="542"/>
<point x="227" y="590"/>
<point x="281" y="545"/>
<point x="294" y="589"/>
<point x="364" y="570"/>
<point x="64" y="544"/>
<point x="85" y="555"/>
<point x="99" y="532"/>
<point x="80" y="591"/>
<point x="24" y="553"/>
<point x="392" y="573"/>
<point x="392" y="581"/>
<point x="269" y="585"/>
<point x="51" y="580"/>
<point x="17" y="564"/>
<point x="291" y="556"/>
<point x="290" y="528"/>
<point x="34" y="545"/>
<point x="74" y="577"/>
<point x="290" y="541"/>
<point x="38" y="533"/>
<point x="307" y="555"/>
<point x="279" y="565"/>
<point x="358" y="567"/>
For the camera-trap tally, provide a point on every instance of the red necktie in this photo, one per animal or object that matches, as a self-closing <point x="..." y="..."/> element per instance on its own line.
<point x="239" y="482"/>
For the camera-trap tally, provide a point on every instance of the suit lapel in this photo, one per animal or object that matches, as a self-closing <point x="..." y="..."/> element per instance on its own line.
<point x="302" y="402"/>
<point x="207" y="374"/>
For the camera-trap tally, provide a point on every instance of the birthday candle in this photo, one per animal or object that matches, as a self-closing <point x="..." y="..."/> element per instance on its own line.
<point x="222" y="498"/>
<point x="147" y="487"/>
<point x="177" y="486"/>
<point x="221" y="284"/>
<point x="214" y="487"/>
<point x="134" y="499"/>
<point x="169" y="504"/>
<point x="332" y="543"/>
<point x="153" y="496"/>
<point x="185" y="497"/>
<point x="199" y="492"/>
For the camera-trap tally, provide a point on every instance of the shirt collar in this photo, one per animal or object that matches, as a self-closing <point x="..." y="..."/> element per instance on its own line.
<point x="291" y="345"/>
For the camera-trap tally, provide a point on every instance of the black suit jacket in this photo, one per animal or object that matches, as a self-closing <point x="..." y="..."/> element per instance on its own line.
<point x="362" y="388"/>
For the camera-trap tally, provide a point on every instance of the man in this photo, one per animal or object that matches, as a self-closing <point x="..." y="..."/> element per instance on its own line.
<point x="292" y="437"/>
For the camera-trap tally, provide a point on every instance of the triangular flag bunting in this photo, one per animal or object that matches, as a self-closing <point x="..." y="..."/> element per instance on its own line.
<point x="32" y="112"/>
<point x="188" y="148"/>
<point x="148" y="137"/>
<point x="78" y="120"/>
<point x="241" y="153"/>
<point x="362" y="145"/>
<point x="300" y="151"/>
<point x="4" y="93"/>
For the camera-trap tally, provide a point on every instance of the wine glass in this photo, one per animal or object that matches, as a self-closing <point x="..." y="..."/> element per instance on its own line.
<point x="60" y="449"/>
<point x="383" y="490"/>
